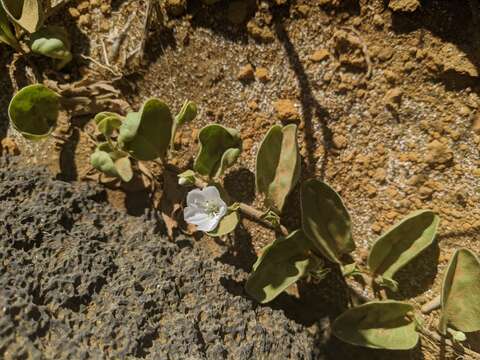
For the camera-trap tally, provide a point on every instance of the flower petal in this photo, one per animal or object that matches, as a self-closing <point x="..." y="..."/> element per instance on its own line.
<point x="208" y="225"/>
<point x="211" y="193"/>
<point x="195" y="196"/>
<point x="194" y="216"/>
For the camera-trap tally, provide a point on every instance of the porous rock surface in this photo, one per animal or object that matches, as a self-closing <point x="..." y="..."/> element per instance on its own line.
<point x="79" y="280"/>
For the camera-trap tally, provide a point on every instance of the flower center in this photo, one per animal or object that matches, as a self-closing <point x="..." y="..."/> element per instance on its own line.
<point x="212" y="208"/>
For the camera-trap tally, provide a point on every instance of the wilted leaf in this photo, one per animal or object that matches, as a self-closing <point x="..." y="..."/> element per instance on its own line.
<point x="219" y="148"/>
<point x="228" y="223"/>
<point x="325" y="220"/>
<point x="111" y="162"/>
<point x="402" y="243"/>
<point x="33" y="111"/>
<point x="460" y="297"/>
<point x="146" y="135"/>
<point x="378" y="325"/>
<point x="282" y="263"/>
<point x="278" y="165"/>
<point x="26" y="13"/>
<point x="52" y="41"/>
<point x="6" y="32"/>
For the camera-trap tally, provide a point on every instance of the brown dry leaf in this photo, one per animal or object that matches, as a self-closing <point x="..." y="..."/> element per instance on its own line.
<point x="171" y="201"/>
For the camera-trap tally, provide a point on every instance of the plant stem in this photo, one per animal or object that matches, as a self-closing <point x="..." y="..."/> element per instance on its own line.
<point x="249" y="211"/>
<point x="431" y="305"/>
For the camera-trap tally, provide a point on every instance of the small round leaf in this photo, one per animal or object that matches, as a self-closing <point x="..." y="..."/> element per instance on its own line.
<point x="33" y="111"/>
<point x="228" y="224"/>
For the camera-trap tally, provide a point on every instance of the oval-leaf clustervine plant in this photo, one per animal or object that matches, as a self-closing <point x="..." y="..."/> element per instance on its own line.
<point x="326" y="235"/>
<point x="326" y="227"/>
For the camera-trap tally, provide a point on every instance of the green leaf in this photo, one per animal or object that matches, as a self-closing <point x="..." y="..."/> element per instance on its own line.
<point x="402" y="243"/>
<point x="6" y="32"/>
<point x="111" y="162"/>
<point x="460" y="297"/>
<point x="278" y="165"/>
<point x="282" y="263"/>
<point x="186" y="178"/>
<point x="187" y="113"/>
<point x="107" y="122"/>
<point x="457" y="336"/>
<point x="378" y="325"/>
<point x="228" y="223"/>
<point x="34" y="110"/>
<point x="26" y="13"/>
<point x="53" y="42"/>
<point x="146" y="135"/>
<point x="325" y="220"/>
<point x="219" y="149"/>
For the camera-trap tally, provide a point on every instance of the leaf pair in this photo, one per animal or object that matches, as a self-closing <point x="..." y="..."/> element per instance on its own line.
<point x="220" y="147"/>
<point x="112" y="162"/>
<point x="390" y="324"/>
<point x="50" y="41"/>
<point x="53" y="42"/>
<point x="278" y="165"/>
<point x="146" y="134"/>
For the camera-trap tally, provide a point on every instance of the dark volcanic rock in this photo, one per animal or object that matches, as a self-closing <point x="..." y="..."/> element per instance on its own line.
<point x="79" y="280"/>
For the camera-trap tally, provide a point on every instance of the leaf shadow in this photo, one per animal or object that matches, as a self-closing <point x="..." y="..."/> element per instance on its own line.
<point x="240" y="252"/>
<point x="418" y="276"/>
<point x="240" y="185"/>
<point x="310" y="106"/>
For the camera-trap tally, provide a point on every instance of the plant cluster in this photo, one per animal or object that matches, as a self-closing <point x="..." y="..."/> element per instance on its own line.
<point x="324" y="239"/>
<point x="22" y="27"/>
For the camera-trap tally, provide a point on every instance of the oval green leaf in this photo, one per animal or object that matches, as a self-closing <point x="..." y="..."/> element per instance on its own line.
<point x="26" y="13"/>
<point x="460" y="296"/>
<point x="219" y="148"/>
<point x="278" y="165"/>
<point x="228" y="223"/>
<point x="282" y="263"/>
<point x="33" y="111"/>
<point x="378" y="325"/>
<point x="325" y="220"/>
<point x="146" y="135"/>
<point x="53" y="42"/>
<point x="402" y="243"/>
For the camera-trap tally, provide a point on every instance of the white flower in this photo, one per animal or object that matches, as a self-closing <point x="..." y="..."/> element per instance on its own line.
<point x="205" y="208"/>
